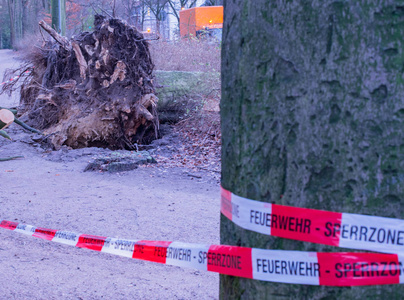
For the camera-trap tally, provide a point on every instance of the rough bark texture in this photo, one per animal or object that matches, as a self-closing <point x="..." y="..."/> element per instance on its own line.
<point x="312" y="116"/>
<point x="11" y="12"/>
<point x="58" y="8"/>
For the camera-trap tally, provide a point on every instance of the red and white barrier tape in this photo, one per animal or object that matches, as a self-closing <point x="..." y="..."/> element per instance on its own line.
<point x="11" y="79"/>
<point x="312" y="268"/>
<point x="14" y="78"/>
<point x="316" y="226"/>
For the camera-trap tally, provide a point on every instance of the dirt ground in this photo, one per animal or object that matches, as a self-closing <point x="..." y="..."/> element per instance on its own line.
<point x="164" y="201"/>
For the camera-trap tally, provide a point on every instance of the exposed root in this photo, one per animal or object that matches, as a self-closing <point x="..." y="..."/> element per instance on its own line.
<point x="93" y="90"/>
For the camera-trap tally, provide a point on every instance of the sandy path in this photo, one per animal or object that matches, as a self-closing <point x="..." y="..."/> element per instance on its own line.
<point x="51" y="190"/>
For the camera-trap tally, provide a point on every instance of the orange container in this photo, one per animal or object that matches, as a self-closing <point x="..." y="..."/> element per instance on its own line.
<point x="199" y="18"/>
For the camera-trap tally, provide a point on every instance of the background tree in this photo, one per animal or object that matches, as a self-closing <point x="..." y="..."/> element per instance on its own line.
<point x="176" y="6"/>
<point x="80" y="15"/>
<point x="58" y="8"/>
<point x="134" y="12"/>
<point x="75" y="17"/>
<point x="12" y="13"/>
<point x="312" y="115"/>
<point x="5" y="27"/>
<point x="212" y="3"/>
<point x="130" y="10"/>
<point x="20" y="19"/>
<point x="158" y="8"/>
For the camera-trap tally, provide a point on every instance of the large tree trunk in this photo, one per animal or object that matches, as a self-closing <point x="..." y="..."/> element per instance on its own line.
<point x="11" y="12"/>
<point x="25" y="18"/>
<point x="29" y="17"/>
<point x="59" y="16"/>
<point x="312" y="116"/>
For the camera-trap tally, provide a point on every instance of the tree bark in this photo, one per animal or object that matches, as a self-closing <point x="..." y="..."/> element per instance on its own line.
<point x="11" y="12"/>
<point x="29" y="15"/>
<point x="312" y="114"/>
<point x="57" y="37"/>
<point x="25" y="18"/>
<point x="58" y="8"/>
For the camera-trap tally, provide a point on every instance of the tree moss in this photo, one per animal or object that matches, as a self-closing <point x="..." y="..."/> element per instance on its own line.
<point x="313" y="114"/>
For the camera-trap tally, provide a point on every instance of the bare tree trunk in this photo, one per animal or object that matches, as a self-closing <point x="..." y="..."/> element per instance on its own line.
<point x="158" y="23"/>
<point x="174" y="10"/>
<point x="19" y="19"/>
<point x="142" y="17"/>
<point x="11" y="12"/>
<point x="58" y="8"/>
<point x="4" y="21"/>
<point x="113" y="8"/>
<point x="26" y="18"/>
<point x="312" y="116"/>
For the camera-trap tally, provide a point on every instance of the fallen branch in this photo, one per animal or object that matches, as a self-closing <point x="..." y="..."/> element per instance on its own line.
<point x="14" y="111"/>
<point x="151" y="39"/>
<point x="193" y="175"/>
<point x="11" y="158"/>
<point x="25" y="126"/>
<point x="6" y="118"/>
<point x="4" y="134"/>
<point x="210" y="170"/>
<point x="58" y="38"/>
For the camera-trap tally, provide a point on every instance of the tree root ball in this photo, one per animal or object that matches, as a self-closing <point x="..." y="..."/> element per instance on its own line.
<point x="95" y="89"/>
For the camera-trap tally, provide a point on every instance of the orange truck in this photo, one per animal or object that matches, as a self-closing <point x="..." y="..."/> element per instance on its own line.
<point x="200" y="19"/>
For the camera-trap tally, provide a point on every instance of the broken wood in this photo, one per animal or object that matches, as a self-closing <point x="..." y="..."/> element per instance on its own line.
<point x="119" y="72"/>
<point x="4" y="134"/>
<point x="25" y="126"/>
<point x="13" y="110"/>
<point x="80" y="58"/>
<point x="11" y="158"/>
<point x="58" y="38"/>
<point x="6" y="118"/>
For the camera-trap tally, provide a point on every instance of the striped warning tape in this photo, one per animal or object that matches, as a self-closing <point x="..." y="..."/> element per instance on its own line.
<point x="298" y="267"/>
<point x="13" y="78"/>
<point x="316" y="226"/>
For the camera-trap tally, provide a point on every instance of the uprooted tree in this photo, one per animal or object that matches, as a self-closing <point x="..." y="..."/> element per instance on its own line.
<point x="95" y="89"/>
